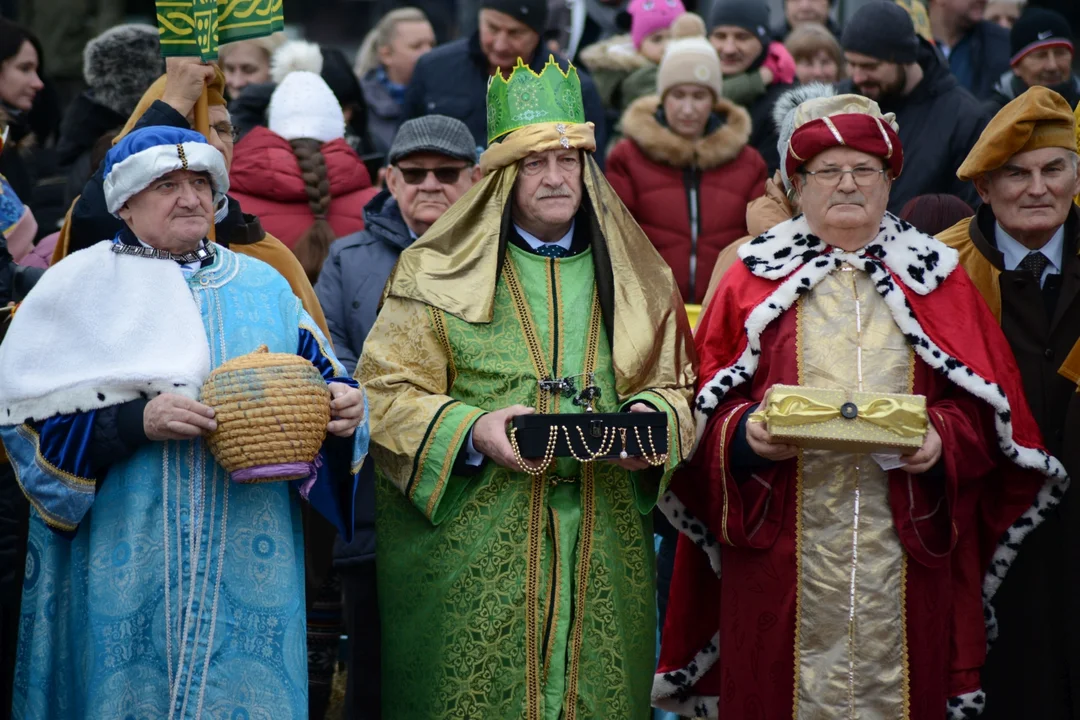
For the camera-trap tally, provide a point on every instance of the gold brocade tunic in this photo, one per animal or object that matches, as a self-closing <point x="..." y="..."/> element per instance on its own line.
<point x="851" y="659"/>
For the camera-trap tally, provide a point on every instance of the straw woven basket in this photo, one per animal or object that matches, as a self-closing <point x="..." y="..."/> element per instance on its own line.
<point x="271" y="410"/>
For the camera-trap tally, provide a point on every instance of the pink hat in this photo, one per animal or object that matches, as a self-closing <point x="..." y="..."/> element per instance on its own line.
<point x="649" y="16"/>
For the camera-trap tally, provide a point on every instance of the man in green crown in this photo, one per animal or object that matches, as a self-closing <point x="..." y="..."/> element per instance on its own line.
<point x="508" y="590"/>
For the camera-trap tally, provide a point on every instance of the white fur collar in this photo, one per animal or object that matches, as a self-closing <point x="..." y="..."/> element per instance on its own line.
<point x="100" y="329"/>
<point x="920" y="261"/>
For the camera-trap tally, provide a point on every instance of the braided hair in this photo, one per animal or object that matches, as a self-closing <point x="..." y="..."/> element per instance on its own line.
<point x="314" y="245"/>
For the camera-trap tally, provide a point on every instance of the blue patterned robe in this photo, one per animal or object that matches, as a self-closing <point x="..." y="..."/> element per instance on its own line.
<point x="162" y="568"/>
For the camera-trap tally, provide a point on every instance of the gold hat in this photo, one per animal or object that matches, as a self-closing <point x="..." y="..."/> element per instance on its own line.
<point x="1040" y="118"/>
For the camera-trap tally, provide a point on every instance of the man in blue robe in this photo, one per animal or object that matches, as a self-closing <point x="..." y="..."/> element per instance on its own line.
<point x="155" y="586"/>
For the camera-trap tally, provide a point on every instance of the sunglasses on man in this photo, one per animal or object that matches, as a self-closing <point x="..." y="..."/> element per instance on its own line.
<point x="445" y="175"/>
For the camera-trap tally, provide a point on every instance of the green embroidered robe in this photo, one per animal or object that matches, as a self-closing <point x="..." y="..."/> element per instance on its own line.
<point x="502" y="596"/>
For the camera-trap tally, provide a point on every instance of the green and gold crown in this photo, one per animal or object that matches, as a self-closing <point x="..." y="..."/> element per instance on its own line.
<point x="528" y="99"/>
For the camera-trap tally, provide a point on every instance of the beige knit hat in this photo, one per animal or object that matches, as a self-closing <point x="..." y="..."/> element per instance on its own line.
<point x="689" y="58"/>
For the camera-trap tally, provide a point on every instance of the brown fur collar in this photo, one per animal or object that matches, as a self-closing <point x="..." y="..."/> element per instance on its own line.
<point x="661" y="145"/>
<point x="616" y="53"/>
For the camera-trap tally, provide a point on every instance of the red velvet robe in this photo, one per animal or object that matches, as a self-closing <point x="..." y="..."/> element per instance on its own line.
<point x="729" y="642"/>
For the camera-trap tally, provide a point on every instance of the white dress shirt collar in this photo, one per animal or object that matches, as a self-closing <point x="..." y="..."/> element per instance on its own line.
<point x="1014" y="252"/>
<point x="535" y="242"/>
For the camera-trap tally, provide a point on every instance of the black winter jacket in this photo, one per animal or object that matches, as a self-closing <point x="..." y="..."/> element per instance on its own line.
<point x="84" y="123"/>
<point x="763" y="133"/>
<point x="939" y="124"/>
<point x="990" y="53"/>
<point x="349" y="288"/>
<point x="452" y="80"/>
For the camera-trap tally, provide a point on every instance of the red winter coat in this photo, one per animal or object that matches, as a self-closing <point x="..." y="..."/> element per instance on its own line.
<point x="265" y="178"/>
<point x="659" y="176"/>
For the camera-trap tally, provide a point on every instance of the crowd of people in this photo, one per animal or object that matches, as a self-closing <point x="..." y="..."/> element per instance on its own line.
<point x="689" y="214"/>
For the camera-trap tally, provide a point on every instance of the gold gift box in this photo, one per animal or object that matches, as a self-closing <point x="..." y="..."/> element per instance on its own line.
<point x="844" y="421"/>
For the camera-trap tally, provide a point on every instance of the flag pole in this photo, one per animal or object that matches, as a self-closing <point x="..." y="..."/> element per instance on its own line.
<point x="202" y="125"/>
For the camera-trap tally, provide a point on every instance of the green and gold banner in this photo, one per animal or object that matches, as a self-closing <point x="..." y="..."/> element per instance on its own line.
<point x="197" y="27"/>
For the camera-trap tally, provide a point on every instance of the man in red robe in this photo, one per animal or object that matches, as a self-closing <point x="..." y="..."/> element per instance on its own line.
<point x="852" y="586"/>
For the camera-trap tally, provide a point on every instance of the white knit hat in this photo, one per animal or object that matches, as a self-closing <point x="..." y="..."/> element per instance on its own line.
<point x="689" y="58"/>
<point x="304" y="106"/>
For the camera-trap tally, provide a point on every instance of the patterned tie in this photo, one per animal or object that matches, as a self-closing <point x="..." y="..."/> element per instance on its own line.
<point x="1035" y="263"/>
<point x="551" y="250"/>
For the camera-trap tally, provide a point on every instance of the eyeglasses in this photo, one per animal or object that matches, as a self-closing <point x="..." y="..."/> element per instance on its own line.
<point x="831" y="177"/>
<point x="226" y="131"/>
<point x="445" y="175"/>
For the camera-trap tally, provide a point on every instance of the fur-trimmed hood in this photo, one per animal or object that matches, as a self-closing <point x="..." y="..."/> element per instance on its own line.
<point x="661" y="145"/>
<point x="120" y="64"/>
<point x="616" y="54"/>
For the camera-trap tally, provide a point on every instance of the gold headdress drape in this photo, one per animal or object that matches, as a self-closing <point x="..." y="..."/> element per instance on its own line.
<point x="455" y="265"/>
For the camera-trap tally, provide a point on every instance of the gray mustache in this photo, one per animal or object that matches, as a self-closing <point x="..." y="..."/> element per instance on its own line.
<point x="846" y="199"/>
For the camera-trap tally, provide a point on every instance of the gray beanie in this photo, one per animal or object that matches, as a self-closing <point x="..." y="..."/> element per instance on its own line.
<point x="750" y="15"/>
<point x="435" y="134"/>
<point x="531" y="12"/>
<point x="883" y="30"/>
<point x="120" y="64"/>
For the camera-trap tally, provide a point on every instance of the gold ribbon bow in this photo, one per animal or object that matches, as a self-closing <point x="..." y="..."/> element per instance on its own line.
<point x="788" y="409"/>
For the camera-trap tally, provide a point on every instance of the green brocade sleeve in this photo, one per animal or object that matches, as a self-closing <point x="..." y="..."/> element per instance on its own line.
<point x="651" y="484"/>
<point x="417" y="430"/>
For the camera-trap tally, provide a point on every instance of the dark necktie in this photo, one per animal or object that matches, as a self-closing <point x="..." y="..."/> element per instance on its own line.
<point x="551" y="250"/>
<point x="1035" y="263"/>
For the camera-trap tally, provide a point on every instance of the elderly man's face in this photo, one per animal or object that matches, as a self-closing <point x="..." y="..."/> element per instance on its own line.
<point x="425" y="185"/>
<point x="547" y="193"/>
<point x="843" y="191"/>
<point x="221" y="132"/>
<point x="1031" y="195"/>
<point x="174" y="213"/>
<point x="1047" y="67"/>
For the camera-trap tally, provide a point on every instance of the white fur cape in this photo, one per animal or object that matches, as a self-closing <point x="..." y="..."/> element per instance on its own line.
<point x="100" y="329"/>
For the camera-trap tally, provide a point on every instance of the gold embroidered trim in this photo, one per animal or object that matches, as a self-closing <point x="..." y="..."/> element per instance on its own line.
<point x="556" y="587"/>
<point x="832" y="128"/>
<point x="588" y="509"/>
<point x="798" y="577"/>
<point x="905" y="682"/>
<point x="798" y="515"/>
<point x="448" y="460"/>
<point x="885" y="135"/>
<point x="555" y="347"/>
<point x="532" y="600"/>
<point x="592" y="342"/>
<point x="905" y="660"/>
<point x="50" y="519"/>
<point x="521" y="307"/>
<point x="438" y="324"/>
<point x="426" y="450"/>
<point x="316" y="334"/>
<point x="724" y="473"/>
<point x="74" y="482"/>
